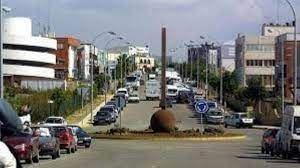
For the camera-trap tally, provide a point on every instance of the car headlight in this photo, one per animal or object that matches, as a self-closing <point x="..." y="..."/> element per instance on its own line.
<point x="20" y="147"/>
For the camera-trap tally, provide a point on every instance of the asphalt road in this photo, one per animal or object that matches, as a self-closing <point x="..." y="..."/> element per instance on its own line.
<point x="174" y="154"/>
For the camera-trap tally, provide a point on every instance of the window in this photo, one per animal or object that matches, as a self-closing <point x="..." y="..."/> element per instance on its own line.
<point x="60" y="46"/>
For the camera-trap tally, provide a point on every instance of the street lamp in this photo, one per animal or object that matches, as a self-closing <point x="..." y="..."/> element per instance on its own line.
<point x="282" y="73"/>
<point x="5" y="10"/>
<point x="106" y="63"/>
<point x="295" y="45"/>
<point x="92" y="67"/>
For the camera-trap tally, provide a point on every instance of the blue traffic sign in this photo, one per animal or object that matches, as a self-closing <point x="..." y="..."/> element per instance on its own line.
<point x="201" y="107"/>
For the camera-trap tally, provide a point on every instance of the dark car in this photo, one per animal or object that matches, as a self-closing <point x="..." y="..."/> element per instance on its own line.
<point x="184" y="96"/>
<point x="25" y="145"/>
<point x="114" y="103"/>
<point x="84" y="139"/>
<point x="66" y="139"/>
<point x="103" y="117"/>
<point x="49" y="144"/>
<point x="268" y="139"/>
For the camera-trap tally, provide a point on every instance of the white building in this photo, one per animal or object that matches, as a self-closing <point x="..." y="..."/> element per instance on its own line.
<point x="84" y="52"/>
<point x="139" y="55"/>
<point x="26" y="56"/>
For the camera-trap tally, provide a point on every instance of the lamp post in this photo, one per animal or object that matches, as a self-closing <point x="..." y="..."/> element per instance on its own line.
<point x="92" y="66"/>
<point x="295" y="58"/>
<point x="106" y="63"/>
<point x="5" y="10"/>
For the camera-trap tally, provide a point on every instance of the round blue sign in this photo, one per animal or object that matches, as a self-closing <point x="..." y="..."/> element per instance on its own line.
<point x="201" y="107"/>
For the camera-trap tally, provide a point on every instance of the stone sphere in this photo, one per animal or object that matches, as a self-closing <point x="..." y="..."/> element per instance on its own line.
<point x="163" y="121"/>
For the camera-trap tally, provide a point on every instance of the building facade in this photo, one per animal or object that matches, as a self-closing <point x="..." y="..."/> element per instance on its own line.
<point x="84" y="53"/>
<point x="66" y="58"/>
<point x="26" y="57"/>
<point x="140" y="56"/>
<point x="255" y="55"/>
<point x="285" y="53"/>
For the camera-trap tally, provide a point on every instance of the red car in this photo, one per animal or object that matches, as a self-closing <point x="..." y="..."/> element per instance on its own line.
<point x="26" y="146"/>
<point x="66" y="138"/>
<point x="269" y="137"/>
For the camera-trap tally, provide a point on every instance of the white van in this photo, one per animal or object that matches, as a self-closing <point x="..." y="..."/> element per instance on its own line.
<point x="172" y="92"/>
<point x="152" y="90"/>
<point x="290" y="131"/>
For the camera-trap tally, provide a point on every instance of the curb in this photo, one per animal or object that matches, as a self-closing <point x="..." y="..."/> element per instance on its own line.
<point x="86" y="121"/>
<point x="263" y="127"/>
<point x="202" y="139"/>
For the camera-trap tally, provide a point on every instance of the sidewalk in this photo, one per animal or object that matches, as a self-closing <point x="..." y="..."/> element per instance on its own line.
<point x="86" y="122"/>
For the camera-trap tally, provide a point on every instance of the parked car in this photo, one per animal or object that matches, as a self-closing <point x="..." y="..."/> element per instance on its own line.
<point x="123" y="91"/>
<point x="114" y="103"/>
<point x="268" y="139"/>
<point x="238" y="120"/>
<point x="26" y="146"/>
<point x="214" y="116"/>
<point x="66" y="139"/>
<point x="290" y="127"/>
<point x="184" y="96"/>
<point x="134" y="98"/>
<point x="84" y="139"/>
<point x="49" y="144"/>
<point x="103" y="117"/>
<point x="112" y="110"/>
<point x="55" y="121"/>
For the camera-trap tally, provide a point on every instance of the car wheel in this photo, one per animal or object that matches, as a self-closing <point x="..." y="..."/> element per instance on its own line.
<point x="29" y="160"/>
<point x="36" y="159"/>
<point x="262" y="150"/>
<point x="272" y="152"/>
<point x="58" y="153"/>
<point x="76" y="148"/>
<point x="267" y="151"/>
<point x="54" y="155"/>
<point x="238" y="126"/>
<point x="69" y="150"/>
<point x="225" y="125"/>
<point x="73" y="150"/>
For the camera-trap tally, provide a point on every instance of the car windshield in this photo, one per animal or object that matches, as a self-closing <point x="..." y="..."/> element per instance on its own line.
<point x="59" y="129"/>
<point x="101" y="113"/>
<point x="243" y="116"/>
<point x="172" y="91"/>
<point x="211" y="105"/>
<point x="122" y="92"/>
<point x="54" y="120"/>
<point x="131" y="79"/>
<point x="297" y="125"/>
<point x="215" y="113"/>
<point x="44" y="132"/>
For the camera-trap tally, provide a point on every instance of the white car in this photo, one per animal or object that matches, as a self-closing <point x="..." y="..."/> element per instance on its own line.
<point x="55" y="121"/>
<point x="214" y="116"/>
<point x="116" y="112"/>
<point x="134" y="97"/>
<point x="238" y="120"/>
<point x="123" y="91"/>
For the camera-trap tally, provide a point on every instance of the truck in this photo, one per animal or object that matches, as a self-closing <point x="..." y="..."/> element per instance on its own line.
<point x="290" y="131"/>
<point x="152" y="90"/>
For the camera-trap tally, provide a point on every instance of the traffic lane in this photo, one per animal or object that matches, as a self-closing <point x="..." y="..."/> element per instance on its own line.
<point x="63" y="157"/>
<point x="173" y="154"/>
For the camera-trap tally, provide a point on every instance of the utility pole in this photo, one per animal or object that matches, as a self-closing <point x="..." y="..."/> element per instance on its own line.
<point x="163" y="70"/>
<point x="1" y="55"/>
<point x="91" y="80"/>
<point x="206" y="72"/>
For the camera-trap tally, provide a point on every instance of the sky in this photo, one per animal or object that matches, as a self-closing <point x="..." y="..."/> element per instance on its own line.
<point x="140" y="21"/>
